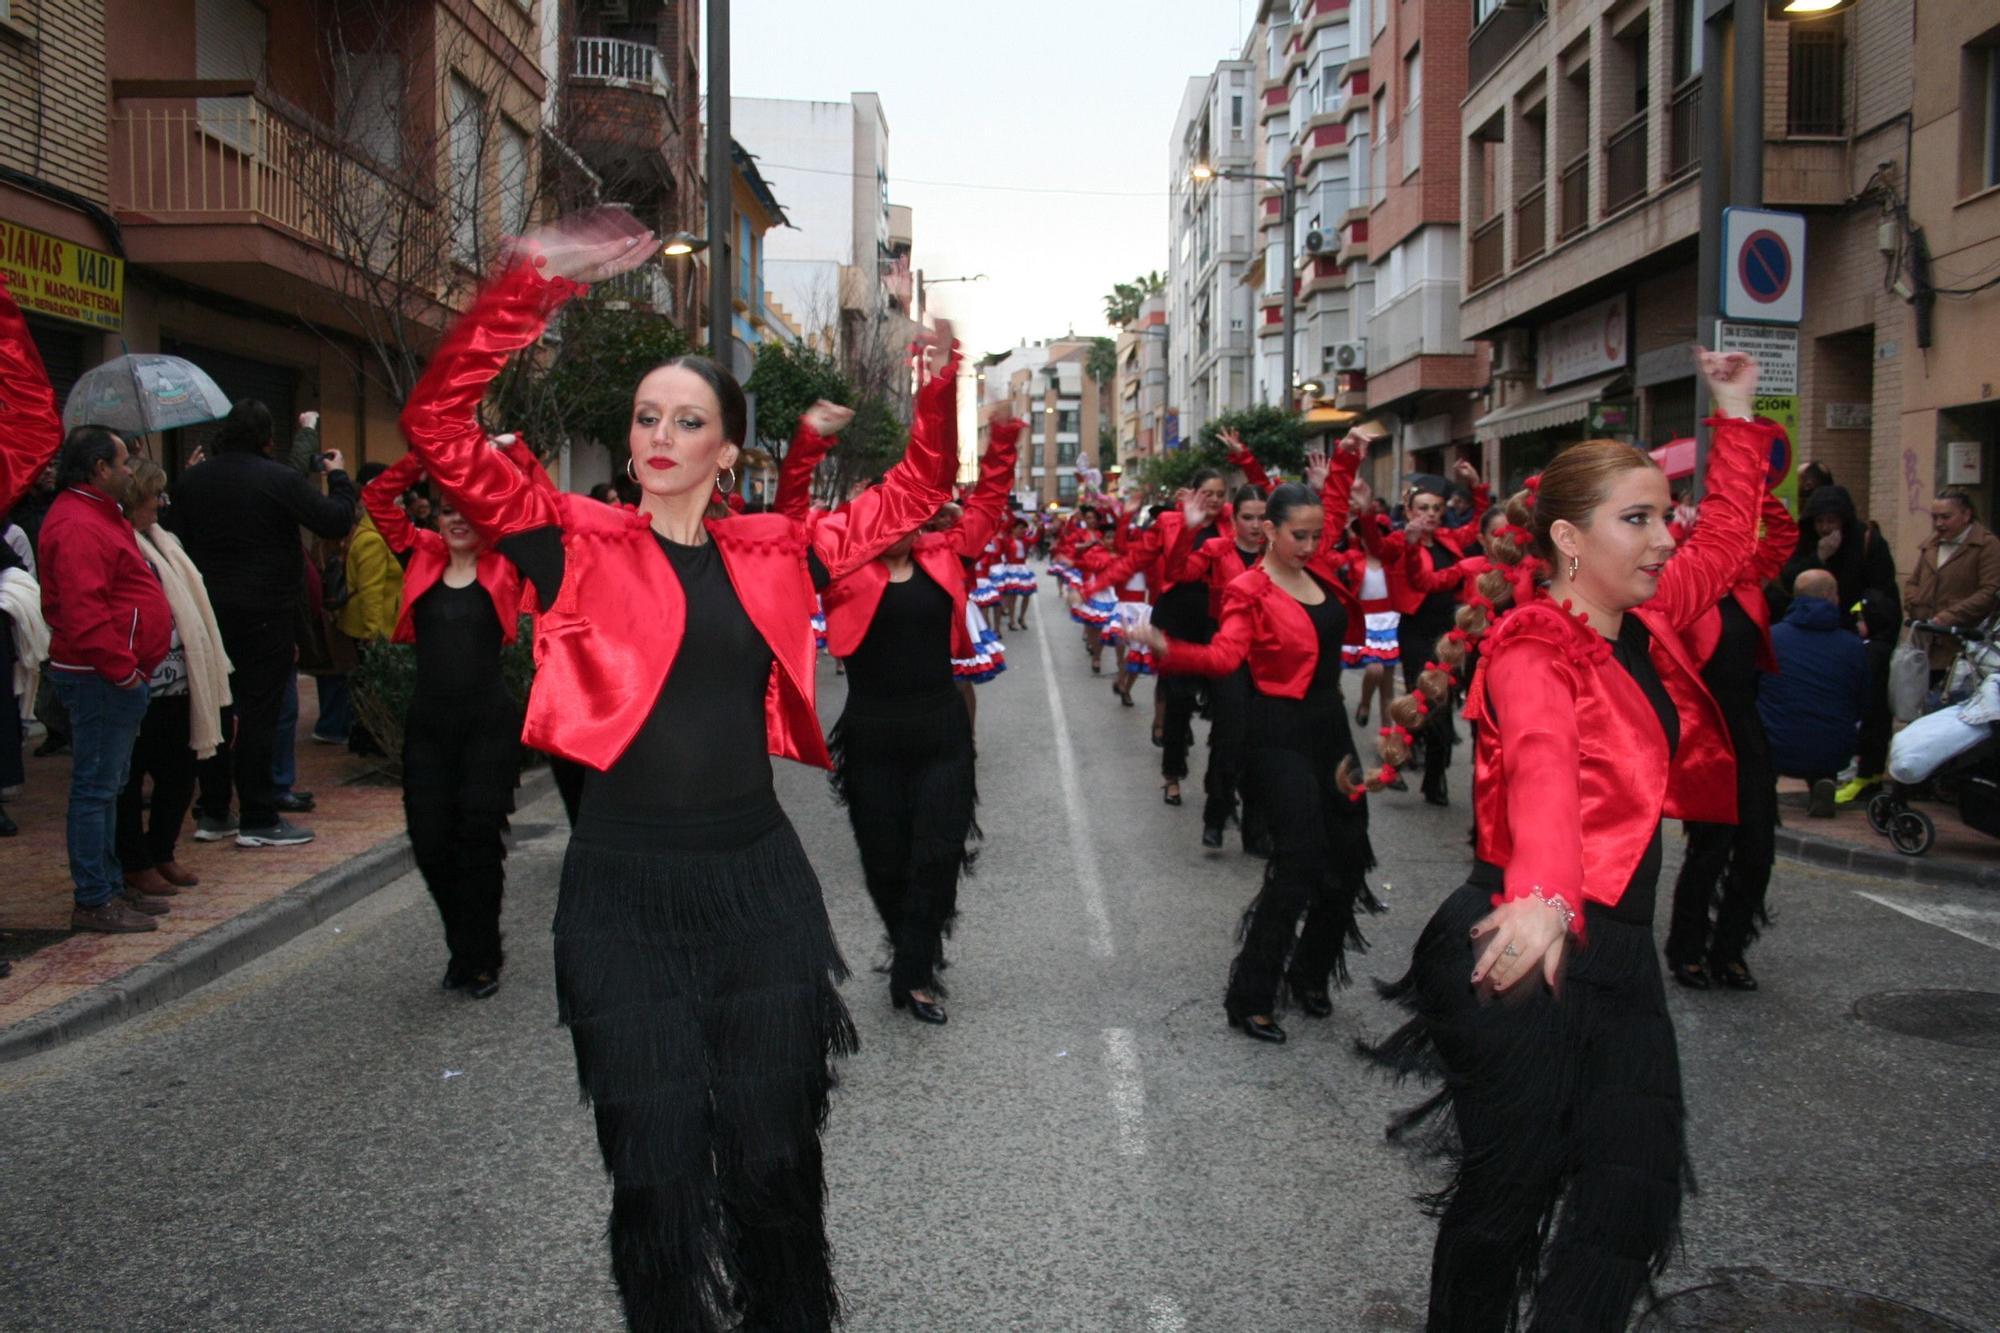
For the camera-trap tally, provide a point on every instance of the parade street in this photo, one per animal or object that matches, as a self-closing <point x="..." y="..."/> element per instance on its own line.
<point x="325" y="1140"/>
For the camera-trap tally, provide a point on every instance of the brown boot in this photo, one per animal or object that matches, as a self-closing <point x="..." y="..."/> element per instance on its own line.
<point x="149" y="882"/>
<point x="113" y="918"/>
<point x="146" y="902"/>
<point x="174" y="873"/>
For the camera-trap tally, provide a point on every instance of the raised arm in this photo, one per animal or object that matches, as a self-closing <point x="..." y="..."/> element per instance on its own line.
<point x="441" y="419"/>
<point x="30" y="427"/>
<point x="1136" y="551"/>
<point x="1709" y="565"/>
<point x="379" y="498"/>
<point x="805" y="453"/>
<point x="1240" y="458"/>
<point x="986" y="507"/>
<point x="850" y="537"/>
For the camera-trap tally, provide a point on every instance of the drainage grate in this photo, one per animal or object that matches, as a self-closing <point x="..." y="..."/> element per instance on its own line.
<point x="1957" y="1017"/>
<point x="1752" y="1300"/>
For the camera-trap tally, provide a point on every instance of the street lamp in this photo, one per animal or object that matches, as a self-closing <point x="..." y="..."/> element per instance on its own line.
<point x="683" y="243"/>
<point x="1287" y="213"/>
<point x="939" y="282"/>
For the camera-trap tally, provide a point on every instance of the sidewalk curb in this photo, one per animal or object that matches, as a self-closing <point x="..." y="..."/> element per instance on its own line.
<point x="214" y="953"/>
<point x="1815" y="850"/>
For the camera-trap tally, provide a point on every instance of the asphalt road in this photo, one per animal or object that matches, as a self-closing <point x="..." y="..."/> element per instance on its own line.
<point x="324" y="1140"/>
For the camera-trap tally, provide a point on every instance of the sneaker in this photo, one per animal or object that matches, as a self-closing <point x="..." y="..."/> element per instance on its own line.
<point x="146" y="902"/>
<point x="294" y="803"/>
<point x="214" y="828"/>
<point x="1851" y="792"/>
<point x="1823" y="799"/>
<point x="279" y="834"/>
<point x="116" y="917"/>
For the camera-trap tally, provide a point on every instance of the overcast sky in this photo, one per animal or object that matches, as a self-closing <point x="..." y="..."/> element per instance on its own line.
<point x="1073" y="97"/>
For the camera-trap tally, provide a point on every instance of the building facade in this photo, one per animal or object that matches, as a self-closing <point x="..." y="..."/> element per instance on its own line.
<point x="1141" y="389"/>
<point x="1045" y="384"/>
<point x="1211" y="247"/>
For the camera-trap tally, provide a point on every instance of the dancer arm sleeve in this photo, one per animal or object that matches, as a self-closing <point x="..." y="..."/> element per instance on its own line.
<point x="1708" y="566"/>
<point x="1136" y="553"/>
<point x="851" y="536"/>
<point x="807" y="450"/>
<point x="1223" y="653"/>
<point x="441" y="419"/>
<point x="1186" y="562"/>
<point x="30" y="427"/>
<point x="1336" y="493"/>
<point x="1775" y="546"/>
<point x="987" y="505"/>
<point x="379" y="498"/>
<point x="1252" y="470"/>
<point x="1533" y="688"/>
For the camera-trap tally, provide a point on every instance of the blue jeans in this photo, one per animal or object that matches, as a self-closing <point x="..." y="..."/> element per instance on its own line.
<point x="336" y="710"/>
<point x="104" y="722"/>
<point x="284" y="750"/>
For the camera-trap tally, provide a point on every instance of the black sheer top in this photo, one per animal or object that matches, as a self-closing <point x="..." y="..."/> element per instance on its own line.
<point x="906" y="653"/>
<point x="458" y="645"/>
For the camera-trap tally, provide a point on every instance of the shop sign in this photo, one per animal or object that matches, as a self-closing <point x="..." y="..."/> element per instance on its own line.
<point x="1961" y="463"/>
<point x="1173" y="431"/>
<point x="1850" y="416"/>
<point x="50" y="276"/>
<point x="1776" y="350"/>
<point x="1590" y="342"/>
<point x="1613" y="418"/>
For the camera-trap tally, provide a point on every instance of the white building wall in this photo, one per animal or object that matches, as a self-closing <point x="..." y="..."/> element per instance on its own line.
<point x="786" y="135"/>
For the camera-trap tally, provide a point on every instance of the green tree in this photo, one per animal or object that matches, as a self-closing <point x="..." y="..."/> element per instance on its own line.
<point x="1167" y="473"/>
<point x="1122" y="302"/>
<point x="870" y="445"/>
<point x="1276" y="436"/>
<point x="787" y="379"/>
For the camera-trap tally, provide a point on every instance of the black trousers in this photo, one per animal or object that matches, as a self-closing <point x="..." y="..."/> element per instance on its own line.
<point x="262" y="647"/>
<point x="1728" y="865"/>
<point x="1871" y="749"/>
<point x="461" y="760"/>
<point x="1417" y="644"/>
<point x="146" y="837"/>
<point x="1228" y="735"/>
<point x="1319" y="860"/>
<point x="1183" y="698"/>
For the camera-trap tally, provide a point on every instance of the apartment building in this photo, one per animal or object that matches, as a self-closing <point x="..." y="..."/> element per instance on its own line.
<point x="1045" y="385"/>
<point x="257" y="187"/>
<point x="1423" y="378"/>
<point x="1211" y="247"/>
<point x="1141" y="389"/>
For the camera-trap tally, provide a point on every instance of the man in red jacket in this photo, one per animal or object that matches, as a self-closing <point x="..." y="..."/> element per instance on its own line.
<point x="109" y="626"/>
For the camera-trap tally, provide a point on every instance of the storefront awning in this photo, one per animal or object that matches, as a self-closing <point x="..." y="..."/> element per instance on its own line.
<point x="1560" y="408"/>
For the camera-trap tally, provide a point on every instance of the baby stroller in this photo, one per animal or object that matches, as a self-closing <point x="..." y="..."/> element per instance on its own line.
<point x="1957" y="739"/>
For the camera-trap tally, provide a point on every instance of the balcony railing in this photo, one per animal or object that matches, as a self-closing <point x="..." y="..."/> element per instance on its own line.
<point x="615" y="60"/>
<point x="226" y="159"/>
<point x="1575" y="196"/>
<point x="644" y="288"/>
<point x="1684" y="129"/>
<point x="1489" y="250"/>
<point x="1531" y="224"/>
<point x="1625" y="164"/>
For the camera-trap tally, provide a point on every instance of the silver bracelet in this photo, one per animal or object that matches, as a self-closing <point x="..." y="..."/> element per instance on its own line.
<point x="1568" y="912"/>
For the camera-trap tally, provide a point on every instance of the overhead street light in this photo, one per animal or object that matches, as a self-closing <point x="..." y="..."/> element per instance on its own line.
<point x="939" y="282"/>
<point x="1288" y="215"/>
<point x="682" y="244"/>
<point x="1787" y="11"/>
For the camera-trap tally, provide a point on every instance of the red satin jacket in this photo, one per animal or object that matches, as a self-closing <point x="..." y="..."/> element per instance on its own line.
<point x="1571" y="772"/>
<point x="429" y="557"/>
<point x="604" y="649"/>
<point x="852" y="600"/>
<point x="1216" y="562"/>
<point x="30" y="427"/>
<point x="1774" y="548"/>
<point x="1267" y="625"/>
<point x="1412" y="572"/>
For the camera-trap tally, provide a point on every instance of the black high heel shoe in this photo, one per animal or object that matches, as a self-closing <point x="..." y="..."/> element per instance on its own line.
<point x="1268" y="1030"/>
<point x="1692" y="975"/>
<point x="1313" y="1003"/>
<point x="482" y="985"/>
<point x="1170" y="797"/>
<point x="1736" y="976"/>
<point x="924" y="1011"/>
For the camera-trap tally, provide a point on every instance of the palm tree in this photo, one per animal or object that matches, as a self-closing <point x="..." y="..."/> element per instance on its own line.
<point x="1121" y="304"/>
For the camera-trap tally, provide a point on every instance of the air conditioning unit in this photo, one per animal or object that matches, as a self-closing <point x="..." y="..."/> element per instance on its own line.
<point x="1315" y="241"/>
<point x="1352" y="355"/>
<point x="1511" y="357"/>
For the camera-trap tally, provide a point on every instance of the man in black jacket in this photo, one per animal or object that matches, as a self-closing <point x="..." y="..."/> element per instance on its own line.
<point x="239" y="516"/>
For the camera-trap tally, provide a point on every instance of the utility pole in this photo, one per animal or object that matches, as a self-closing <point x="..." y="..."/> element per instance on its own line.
<point x="1287" y="213"/>
<point x="721" y="196"/>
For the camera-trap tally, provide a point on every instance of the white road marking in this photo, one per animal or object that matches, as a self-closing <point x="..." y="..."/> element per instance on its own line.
<point x="1089" y="884"/>
<point x="1128" y="1090"/>
<point x="1165" y="1316"/>
<point x="1981" y="927"/>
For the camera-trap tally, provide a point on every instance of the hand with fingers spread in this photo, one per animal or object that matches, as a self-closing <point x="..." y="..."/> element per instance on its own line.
<point x="591" y="246"/>
<point x="1354" y="442"/>
<point x="1196" y="511"/>
<point x="1520" y="935"/>
<point x="1317" y="467"/>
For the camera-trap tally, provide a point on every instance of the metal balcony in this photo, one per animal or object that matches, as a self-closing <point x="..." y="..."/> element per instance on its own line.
<point x="616" y="61"/>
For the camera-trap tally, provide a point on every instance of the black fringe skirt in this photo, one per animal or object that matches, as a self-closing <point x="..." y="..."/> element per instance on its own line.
<point x="1320" y="853"/>
<point x="904" y="768"/>
<point x="1564" y="1137"/>
<point x="696" y="971"/>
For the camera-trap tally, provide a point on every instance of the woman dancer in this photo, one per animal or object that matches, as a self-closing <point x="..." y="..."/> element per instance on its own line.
<point x="1593" y="721"/>
<point x="1425" y="615"/>
<point x="1017" y="577"/>
<point x="695" y="966"/>
<point x="1729" y="865"/>
<point x="184" y="703"/>
<point x="1380" y="652"/>
<point x="1181" y="609"/>
<point x="1288" y="618"/>
<point x="461" y="605"/>
<point x="902" y="750"/>
<point x="1213" y="565"/>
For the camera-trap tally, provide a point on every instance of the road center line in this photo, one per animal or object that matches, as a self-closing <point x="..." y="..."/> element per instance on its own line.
<point x="1967" y="922"/>
<point x="1089" y="884"/>
<point x="1128" y="1090"/>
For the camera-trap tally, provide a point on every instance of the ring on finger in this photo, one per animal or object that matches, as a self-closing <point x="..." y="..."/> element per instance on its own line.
<point x="1510" y="952"/>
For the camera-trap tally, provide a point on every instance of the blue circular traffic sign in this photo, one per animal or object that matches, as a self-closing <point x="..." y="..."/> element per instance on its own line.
<point x="1764" y="266"/>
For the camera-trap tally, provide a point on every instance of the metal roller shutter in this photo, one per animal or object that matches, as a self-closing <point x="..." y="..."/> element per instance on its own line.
<point x="277" y="387"/>
<point x="62" y="355"/>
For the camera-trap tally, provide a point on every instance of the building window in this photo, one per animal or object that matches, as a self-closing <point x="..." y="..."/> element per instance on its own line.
<point x="1066" y="488"/>
<point x="1813" y="103"/>
<point x="1979" y="117"/>
<point x="464" y="134"/>
<point x="368" y="104"/>
<point x="515" y="179"/>
<point x="1413" y="112"/>
<point x="1067" y="421"/>
<point x="1235" y="116"/>
<point x="1687" y="40"/>
<point x="230" y="37"/>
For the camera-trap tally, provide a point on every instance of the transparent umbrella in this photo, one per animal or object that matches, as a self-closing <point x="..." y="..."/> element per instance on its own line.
<point x="140" y="393"/>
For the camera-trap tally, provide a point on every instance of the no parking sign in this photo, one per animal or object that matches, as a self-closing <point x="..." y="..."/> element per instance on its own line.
<point x="1763" y="265"/>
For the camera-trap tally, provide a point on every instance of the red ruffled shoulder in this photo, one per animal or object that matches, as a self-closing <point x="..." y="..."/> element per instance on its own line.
<point x="765" y="533"/>
<point x="1542" y="620"/>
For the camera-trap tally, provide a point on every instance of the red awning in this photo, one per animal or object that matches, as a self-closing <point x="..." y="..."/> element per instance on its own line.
<point x="1676" y="458"/>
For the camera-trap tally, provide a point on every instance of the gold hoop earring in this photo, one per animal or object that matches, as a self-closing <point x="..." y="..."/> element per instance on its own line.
<point x="1572" y="566"/>
<point x="630" y="471"/>
<point x="730" y="488"/>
